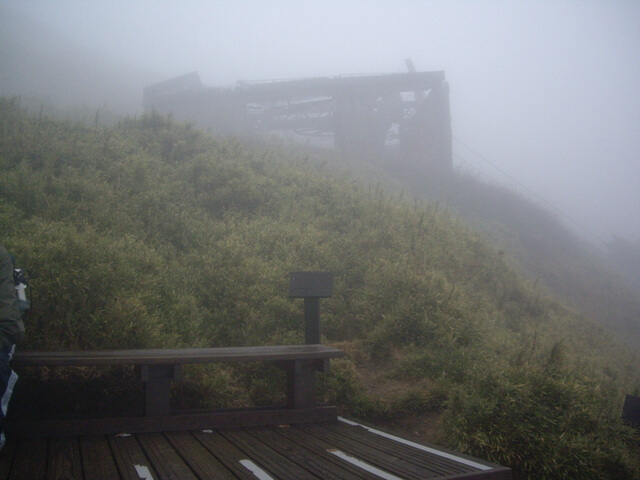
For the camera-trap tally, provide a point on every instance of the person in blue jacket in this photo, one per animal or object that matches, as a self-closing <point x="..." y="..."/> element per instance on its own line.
<point x="11" y="332"/>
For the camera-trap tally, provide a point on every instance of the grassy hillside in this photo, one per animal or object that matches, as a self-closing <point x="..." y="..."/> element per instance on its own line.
<point x="153" y="234"/>
<point x="600" y="284"/>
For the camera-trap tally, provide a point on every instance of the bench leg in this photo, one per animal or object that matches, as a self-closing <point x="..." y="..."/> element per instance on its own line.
<point x="157" y="388"/>
<point x="301" y="383"/>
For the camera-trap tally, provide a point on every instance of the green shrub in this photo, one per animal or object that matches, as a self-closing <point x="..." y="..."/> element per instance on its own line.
<point x="544" y="424"/>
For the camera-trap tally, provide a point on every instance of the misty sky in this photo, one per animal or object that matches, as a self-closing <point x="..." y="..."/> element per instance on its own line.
<point x="547" y="91"/>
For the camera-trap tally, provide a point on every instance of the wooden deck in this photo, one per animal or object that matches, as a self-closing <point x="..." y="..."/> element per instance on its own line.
<point x="328" y="450"/>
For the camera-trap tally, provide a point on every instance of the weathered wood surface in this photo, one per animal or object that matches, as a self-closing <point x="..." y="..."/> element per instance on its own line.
<point x="176" y="356"/>
<point x="322" y="451"/>
<point x="171" y="423"/>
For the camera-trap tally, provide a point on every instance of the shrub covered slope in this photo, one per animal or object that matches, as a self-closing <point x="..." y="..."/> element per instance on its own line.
<point x="152" y="234"/>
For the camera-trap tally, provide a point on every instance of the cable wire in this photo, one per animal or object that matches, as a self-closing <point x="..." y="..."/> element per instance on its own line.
<point x="530" y="191"/>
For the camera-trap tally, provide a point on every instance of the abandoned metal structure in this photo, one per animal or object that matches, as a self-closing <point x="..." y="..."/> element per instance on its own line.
<point x="402" y="115"/>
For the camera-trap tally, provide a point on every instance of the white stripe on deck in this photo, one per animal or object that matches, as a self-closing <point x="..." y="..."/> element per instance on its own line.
<point x="256" y="470"/>
<point x="143" y="472"/>
<point x="363" y="465"/>
<point x="424" y="448"/>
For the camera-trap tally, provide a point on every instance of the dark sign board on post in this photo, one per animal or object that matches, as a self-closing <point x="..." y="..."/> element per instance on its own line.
<point x="311" y="284"/>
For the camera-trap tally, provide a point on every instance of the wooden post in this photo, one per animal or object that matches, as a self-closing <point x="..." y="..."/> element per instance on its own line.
<point x="311" y="320"/>
<point x="157" y="388"/>
<point x="301" y="375"/>
<point x="301" y="384"/>
<point x="311" y="286"/>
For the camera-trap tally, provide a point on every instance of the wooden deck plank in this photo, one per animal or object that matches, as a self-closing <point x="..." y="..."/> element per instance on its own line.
<point x="455" y="463"/>
<point x="63" y="459"/>
<point x="129" y="457"/>
<point x="429" y="461"/>
<point x="178" y="422"/>
<point x="226" y="452"/>
<point x="202" y="462"/>
<point x="97" y="459"/>
<point x="268" y="459"/>
<point x="378" y="458"/>
<point x="308" y="452"/>
<point x="311" y="457"/>
<point x="30" y="460"/>
<point x="164" y="458"/>
<point x="321" y="449"/>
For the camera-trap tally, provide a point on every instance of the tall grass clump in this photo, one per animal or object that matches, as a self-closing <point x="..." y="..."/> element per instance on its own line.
<point x="545" y="424"/>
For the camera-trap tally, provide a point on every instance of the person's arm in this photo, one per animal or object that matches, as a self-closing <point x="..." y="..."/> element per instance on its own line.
<point x="11" y="326"/>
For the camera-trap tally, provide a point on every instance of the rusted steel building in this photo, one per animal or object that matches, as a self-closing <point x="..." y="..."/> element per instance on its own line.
<point x="402" y="115"/>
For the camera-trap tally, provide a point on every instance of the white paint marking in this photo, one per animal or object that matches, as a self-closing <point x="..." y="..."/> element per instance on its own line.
<point x="424" y="448"/>
<point x="207" y="431"/>
<point x="143" y="472"/>
<point x="363" y="465"/>
<point x="256" y="470"/>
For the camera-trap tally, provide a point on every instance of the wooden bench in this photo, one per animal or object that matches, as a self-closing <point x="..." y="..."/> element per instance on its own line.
<point x="159" y="367"/>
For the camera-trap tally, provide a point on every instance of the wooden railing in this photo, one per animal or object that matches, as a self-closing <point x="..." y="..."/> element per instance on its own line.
<point x="159" y="368"/>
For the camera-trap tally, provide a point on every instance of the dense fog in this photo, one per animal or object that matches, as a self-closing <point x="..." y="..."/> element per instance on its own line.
<point x="544" y="94"/>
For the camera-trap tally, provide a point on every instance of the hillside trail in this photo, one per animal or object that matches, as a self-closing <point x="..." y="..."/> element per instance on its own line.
<point x="379" y="380"/>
